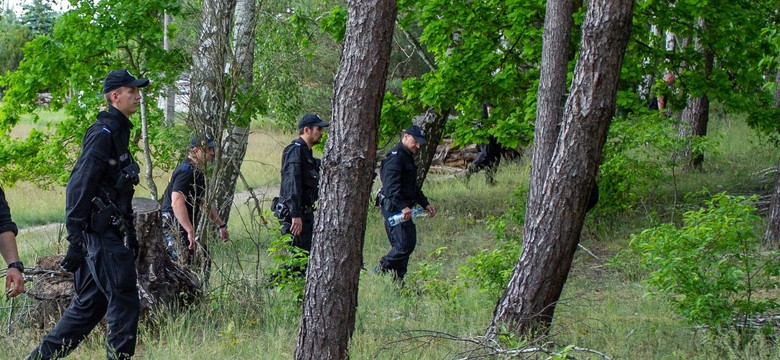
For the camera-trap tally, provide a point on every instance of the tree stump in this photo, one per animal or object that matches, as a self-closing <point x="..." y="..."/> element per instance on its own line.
<point x="161" y="281"/>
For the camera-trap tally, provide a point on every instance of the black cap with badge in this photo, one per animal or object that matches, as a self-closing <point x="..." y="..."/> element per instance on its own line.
<point x="118" y="78"/>
<point x="417" y="133"/>
<point x="202" y="142"/>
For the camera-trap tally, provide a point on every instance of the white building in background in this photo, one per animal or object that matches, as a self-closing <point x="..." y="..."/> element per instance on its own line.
<point x="182" y="102"/>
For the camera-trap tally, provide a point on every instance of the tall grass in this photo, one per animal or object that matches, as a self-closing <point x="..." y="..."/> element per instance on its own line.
<point x="603" y="307"/>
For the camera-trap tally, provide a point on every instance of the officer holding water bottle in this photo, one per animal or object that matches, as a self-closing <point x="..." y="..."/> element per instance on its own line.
<point x="399" y="194"/>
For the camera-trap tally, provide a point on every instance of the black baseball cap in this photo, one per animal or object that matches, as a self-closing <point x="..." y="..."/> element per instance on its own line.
<point x="118" y="78"/>
<point x="417" y="133"/>
<point x="202" y="141"/>
<point x="311" y="120"/>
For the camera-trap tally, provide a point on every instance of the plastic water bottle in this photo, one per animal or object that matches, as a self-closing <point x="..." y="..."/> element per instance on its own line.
<point x="399" y="218"/>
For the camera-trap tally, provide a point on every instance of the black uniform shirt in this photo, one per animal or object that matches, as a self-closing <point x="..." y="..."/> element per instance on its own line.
<point x="189" y="181"/>
<point x="399" y="180"/>
<point x="96" y="172"/>
<point x="300" y="178"/>
<point x="6" y="224"/>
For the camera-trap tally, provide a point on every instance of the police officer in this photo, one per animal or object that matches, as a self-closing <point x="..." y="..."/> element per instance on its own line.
<point x="400" y="192"/>
<point x="14" y="280"/>
<point x="185" y="196"/>
<point x="300" y="181"/>
<point x="489" y="154"/>
<point x="98" y="216"/>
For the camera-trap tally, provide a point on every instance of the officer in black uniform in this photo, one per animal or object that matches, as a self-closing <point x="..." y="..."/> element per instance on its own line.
<point x="400" y="192"/>
<point x="14" y="280"/>
<point x="300" y="182"/>
<point x="489" y="154"/>
<point x="99" y="221"/>
<point x="185" y="196"/>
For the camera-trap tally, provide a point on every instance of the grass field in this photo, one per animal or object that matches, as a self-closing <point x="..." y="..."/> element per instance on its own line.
<point x="603" y="308"/>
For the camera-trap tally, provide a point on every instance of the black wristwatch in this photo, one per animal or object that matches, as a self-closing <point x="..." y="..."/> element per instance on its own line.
<point x="17" y="265"/>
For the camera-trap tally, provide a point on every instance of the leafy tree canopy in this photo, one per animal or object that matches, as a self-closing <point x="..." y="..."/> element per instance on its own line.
<point x="87" y="42"/>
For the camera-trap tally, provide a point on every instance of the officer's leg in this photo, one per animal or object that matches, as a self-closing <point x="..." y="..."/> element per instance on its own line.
<point x="303" y="240"/>
<point x="117" y="275"/>
<point x="85" y="311"/>
<point x="403" y="239"/>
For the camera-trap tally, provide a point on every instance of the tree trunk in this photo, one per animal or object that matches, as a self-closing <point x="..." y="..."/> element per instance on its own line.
<point x="432" y="124"/>
<point x="331" y="293"/>
<point x="771" y="239"/>
<point x="237" y="139"/>
<point x="552" y="88"/>
<point x="553" y="222"/>
<point x="777" y="88"/>
<point x="696" y="114"/>
<point x="209" y="105"/>
<point x="148" y="175"/>
<point x="170" y="92"/>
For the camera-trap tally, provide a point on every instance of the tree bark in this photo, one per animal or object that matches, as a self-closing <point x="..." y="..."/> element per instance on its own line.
<point x="209" y="103"/>
<point x="237" y="138"/>
<point x="552" y="88"/>
<point x="695" y="116"/>
<point x="777" y="88"/>
<point x="771" y="239"/>
<point x="432" y="124"/>
<point x="553" y="222"/>
<point x="331" y="292"/>
<point x="170" y="92"/>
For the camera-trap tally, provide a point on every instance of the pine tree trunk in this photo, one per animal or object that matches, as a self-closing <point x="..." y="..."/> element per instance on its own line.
<point x="553" y="222"/>
<point x="771" y="239"/>
<point x="331" y="293"/>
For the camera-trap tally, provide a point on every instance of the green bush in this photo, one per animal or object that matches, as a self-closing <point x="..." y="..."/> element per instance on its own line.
<point x="711" y="268"/>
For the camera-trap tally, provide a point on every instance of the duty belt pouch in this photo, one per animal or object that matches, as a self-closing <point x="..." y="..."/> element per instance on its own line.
<point x="101" y="220"/>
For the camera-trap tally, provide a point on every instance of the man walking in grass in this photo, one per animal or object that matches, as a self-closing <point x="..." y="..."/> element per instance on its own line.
<point x="400" y="192"/>
<point x="101" y="231"/>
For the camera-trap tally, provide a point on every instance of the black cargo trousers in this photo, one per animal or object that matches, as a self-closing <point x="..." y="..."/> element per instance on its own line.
<point x="105" y="284"/>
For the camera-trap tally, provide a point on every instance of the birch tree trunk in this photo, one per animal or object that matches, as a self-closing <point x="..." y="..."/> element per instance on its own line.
<point x="237" y="138"/>
<point x="331" y="292"/>
<point x="209" y="106"/>
<point x="554" y="219"/>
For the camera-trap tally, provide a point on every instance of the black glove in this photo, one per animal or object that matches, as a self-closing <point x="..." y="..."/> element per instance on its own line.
<point x="132" y="243"/>
<point x="74" y="258"/>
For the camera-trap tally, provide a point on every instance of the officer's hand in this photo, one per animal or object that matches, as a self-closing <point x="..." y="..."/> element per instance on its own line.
<point x="16" y="278"/>
<point x="74" y="258"/>
<point x="132" y="243"/>
<point x="223" y="234"/>
<point x="431" y="210"/>
<point x="407" y="213"/>
<point x="297" y="226"/>
<point x="192" y="238"/>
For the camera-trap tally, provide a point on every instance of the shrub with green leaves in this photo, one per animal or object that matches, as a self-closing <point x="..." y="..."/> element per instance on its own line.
<point x="711" y="268"/>
<point x="636" y="155"/>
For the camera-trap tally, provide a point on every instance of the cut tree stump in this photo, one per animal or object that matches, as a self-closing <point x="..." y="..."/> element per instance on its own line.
<point x="161" y="282"/>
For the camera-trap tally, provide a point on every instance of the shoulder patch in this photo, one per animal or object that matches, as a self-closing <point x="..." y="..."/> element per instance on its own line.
<point x="296" y="144"/>
<point x="394" y="152"/>
<point x="106" y="130"/>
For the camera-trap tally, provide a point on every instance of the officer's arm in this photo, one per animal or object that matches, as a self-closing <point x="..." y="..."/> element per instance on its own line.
<point x="83" y="183"/>
<point x="419" y="197"/>
<point x="179" y="205"/>
<point x="292" y="180"/>
<point x="6" y="224"/>
<point x="391" y="181"/>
